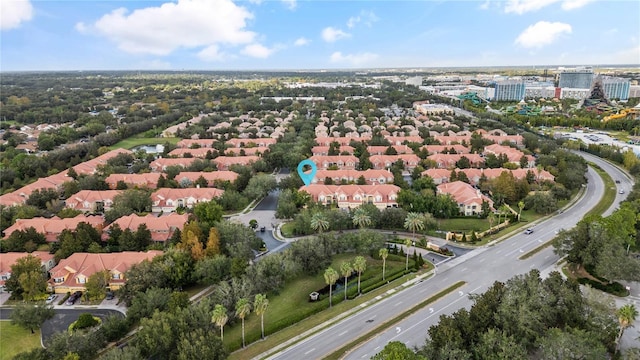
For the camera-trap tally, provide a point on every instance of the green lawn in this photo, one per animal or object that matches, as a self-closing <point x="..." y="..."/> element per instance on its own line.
<point x="14" y="340"/>
<point x="134" y="141"/>
<point x="610" y="191"/>
<point x="293" y="303"/>
<point x="287" y="229"/>
<point x="463" y="224"/>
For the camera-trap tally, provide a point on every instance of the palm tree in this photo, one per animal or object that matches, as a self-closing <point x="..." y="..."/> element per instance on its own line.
<point x="407" y="243"/>
<point x="260" y="305"/>
<point x="220" y="318"/>
<point x="491" y="217"/>
<point x="319" y="222"/>
<point x="360" y="218"/>
<point x="384" y="252"/>
<point x="330" y="277"/>
<point x="520" y="208"/>
<point x="626" y="316"/>
<point x="243" y="308"/>
<point x="359" y="265"/>
<point x="346" y="269"/>
<point x="414" y="221"/>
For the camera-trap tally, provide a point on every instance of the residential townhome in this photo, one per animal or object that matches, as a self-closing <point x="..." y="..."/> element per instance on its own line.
<point x="448" y="161"/>
<point x="21" y="195"/>
<point x="161" y="227"/>
<point x="224" y="162"/>
<point x="257" y="151"/>
<point x="381" y="150"/>
<point x="441" y="149"/>
<point x="245" y="143"/>
<point x="371" y="176"/>
<point x="91" y="201"/>
<point x="161" y="164"/>
<point x="51" y="228"/>
<point x="324" y="150"/>
<point x="190" y="177"/>
<point x="194" y="143"/>
<point x="341" y="162"/>
<point x="328" y="140"/>
<point x="513" y="139"/>
<point x="7" y="260"/>
<point x="167" y="200"/>
<point x="455" y="139"/>
<point x="72" y="273"/>
<point x="146" y="180"/>
<point x="514" y="155"/>
<point x="468" y="198"/>
<point x="199" y="153"/>
<point x="91" y="166"/>
<point x="379" y="162"/>
<point x="539" y="175"/>
<point x="352" y="196"/>
<point x="439" y="176"/>
<point x="399" y="140"/>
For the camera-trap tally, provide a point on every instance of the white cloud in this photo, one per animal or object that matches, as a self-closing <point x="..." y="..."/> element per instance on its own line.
<point x="331" y="34"/>
<point x="365" y="17"/>
<point x="211" y="53"/>
<point x="290" y="4"/>
<point x="542" y="33"/>
<point x="627" y="56"/>
<point x="485" y="5"/>
<point x="182" y="24"/>
<point x="14" y="12"/>
<point x="81" y="28"/>
<point x="257" y="51"/>
<point x="352" y="59"/>
<point x="301" y="41"/>
<point x="522" y="6"/>
<point x="574" y="4"/>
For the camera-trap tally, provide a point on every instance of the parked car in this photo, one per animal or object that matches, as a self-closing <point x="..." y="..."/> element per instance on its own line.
<point x="617" y="181"/>
<point x="528" y="231"/>
<point x="73" y="298"/>
<point x="51" y="298"/>
<point x="263" y="229"/>
<point x="110" y="295"/>
<point x="621" y="191"/>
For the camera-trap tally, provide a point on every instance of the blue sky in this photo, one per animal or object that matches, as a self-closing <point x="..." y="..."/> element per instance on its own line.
<point x="290" y="34"/>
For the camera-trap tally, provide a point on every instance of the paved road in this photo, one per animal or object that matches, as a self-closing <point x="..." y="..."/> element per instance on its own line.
<point x="62" y="319"/>
<point x="478" y="268"/>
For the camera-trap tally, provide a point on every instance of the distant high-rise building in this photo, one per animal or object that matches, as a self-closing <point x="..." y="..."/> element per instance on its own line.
<point x="616" y="88"/>
<point x="578" y="78"/>
<point x="509" y="90"/>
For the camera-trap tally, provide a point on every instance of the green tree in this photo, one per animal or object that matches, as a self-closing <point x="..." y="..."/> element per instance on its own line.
<point x="346" y="269"/>
<point x="243" y="308"/>
<point x="31" y="316"/>
<point x="97" y="284"/>
<point x="627" y="314"/>
<point x="26" y="271"/>
<point x="330" y="277"/>
<point x="359" y="265"/>
<point x="260" y="305"/>
<point x="384" y="253"/>
<point x="209" y="212"/>
<point x="319" y="222"/>
<point x="396" y="350"/>
<point x="220" y="318"/>
<point x="414" y="222"/>
<point x="259" y="186"/>
<point x="360" y="218"/>
<point x="200" y="344"/>
<point x="407" y="244"/>
<point x="213" y="243"/>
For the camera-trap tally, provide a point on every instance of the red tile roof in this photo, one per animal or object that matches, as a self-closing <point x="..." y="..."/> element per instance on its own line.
<point x="51" y="228"/>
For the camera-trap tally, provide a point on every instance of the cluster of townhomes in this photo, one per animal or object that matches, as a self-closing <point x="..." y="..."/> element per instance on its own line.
<point x="347" y="190"/>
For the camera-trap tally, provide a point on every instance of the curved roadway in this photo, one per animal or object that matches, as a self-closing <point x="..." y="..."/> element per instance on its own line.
<point x="479" y="269"/>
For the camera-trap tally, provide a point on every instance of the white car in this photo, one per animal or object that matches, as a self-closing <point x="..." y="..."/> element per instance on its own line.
<point x="528" y="231"/>
<point x="51" y="298"/>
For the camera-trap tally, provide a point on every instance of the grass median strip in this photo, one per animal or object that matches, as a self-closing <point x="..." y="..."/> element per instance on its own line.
<point x="354" y="344"/>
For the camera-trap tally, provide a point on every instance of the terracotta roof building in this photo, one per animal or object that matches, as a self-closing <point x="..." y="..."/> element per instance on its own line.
<point x="168" y="200"/>
<point x="161" y="227"/>
<point x="352" y="196"/>
<point x="7" y="260"/>
<point x="371" y="176"/>
<point x="148" y="180"/>
<point x="211" y="176"/>
<point x="92" y="200"/>
<point x="53" y="227"/>
<point x="379" y="162"/>
<point x="468" y="198"/>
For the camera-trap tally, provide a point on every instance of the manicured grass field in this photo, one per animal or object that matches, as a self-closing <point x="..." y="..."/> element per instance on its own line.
<point x="287" y="229"/>
<point x="132" y="142"/>
<point x="609" y="196"/>
<point x="293" y="303"/>
<point x="15" y="339"/>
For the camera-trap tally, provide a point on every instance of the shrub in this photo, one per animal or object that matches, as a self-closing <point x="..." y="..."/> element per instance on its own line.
<point x="85" y="320"/>
<point x="614" y="288"/>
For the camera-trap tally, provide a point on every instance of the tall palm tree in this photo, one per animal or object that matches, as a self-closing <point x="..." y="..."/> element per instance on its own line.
<point x="220" y="318"/>
<point x="243" y="308"/>
<point x="520" y="208"/>
<point x="260" y="305"/>
<point x="319" y="222"/>
<point x="360" y="218"/>
<point x="384" y="252"/>
<point x="359" y="265"/>
<point x="330" y="277"/>
<point x="626" y="316"/>
<point x="407" y="243"/>
<point x="413" y="222"/>
<point x="491" y="217"/>
<point x="346" y="269"/>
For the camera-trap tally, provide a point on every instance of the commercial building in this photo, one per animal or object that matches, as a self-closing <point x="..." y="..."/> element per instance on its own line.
<point x="578" y="78"/>
<point x="509" y="90"/>
<point x="616" y="88"/>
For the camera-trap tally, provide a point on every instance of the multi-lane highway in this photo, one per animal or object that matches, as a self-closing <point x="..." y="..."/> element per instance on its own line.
<point x="478" y="269"/>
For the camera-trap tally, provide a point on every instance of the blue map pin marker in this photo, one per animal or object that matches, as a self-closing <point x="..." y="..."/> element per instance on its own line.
<point x="307" y="177"/>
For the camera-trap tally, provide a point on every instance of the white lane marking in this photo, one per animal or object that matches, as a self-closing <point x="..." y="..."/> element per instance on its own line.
<point x="463" y="269"/>
<point x="310" y="351"/>
<point x="342" y="333"/>
<point x="398" y="303"/>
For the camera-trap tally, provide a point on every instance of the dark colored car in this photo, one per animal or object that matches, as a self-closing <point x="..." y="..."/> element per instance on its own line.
<point x="73" y="298"/>
<point x="110" y="295"/>
<point x="263" y="229"/>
